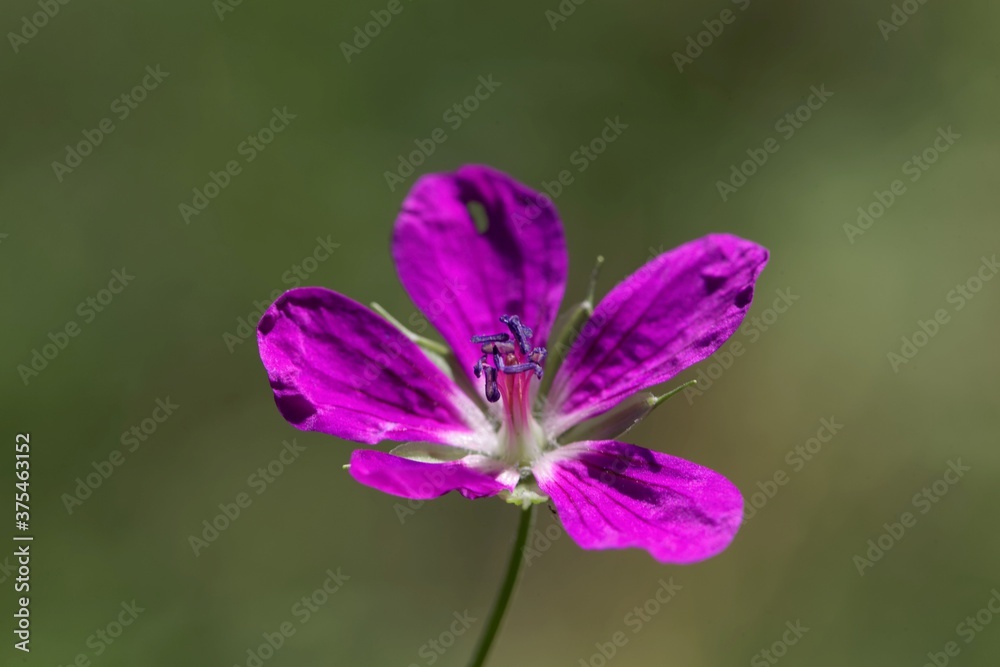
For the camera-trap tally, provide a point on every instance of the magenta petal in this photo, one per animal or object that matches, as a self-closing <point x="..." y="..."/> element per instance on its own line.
<point x="464" y="280"/>
<point x="338" y="368"/>
<point x="611" y="495"/>
<point x="473" y="477"/>
<point x="673" y="312"/>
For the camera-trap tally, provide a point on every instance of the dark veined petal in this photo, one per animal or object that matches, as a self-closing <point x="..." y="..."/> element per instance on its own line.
<point x="338" y="368"/>
<point x="473" y="476"/>
<point x="464" y="280"/>
<point x="612" y="495"/>
<point x="673" y="312"/>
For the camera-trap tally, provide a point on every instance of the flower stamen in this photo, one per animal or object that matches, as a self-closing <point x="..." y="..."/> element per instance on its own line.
<point x="492" y="338"/>
<point x="521" y="333"/>
<point x="508" y="358"/>
<point x="492" y="390"/>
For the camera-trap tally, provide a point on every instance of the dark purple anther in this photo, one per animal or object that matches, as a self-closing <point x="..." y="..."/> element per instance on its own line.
<point x="492" y="338"/>
<point x="520" y="332"/>
<point x="492" y="390"/>
<point x="501" y="348"/>
<point x="520" y="368"/>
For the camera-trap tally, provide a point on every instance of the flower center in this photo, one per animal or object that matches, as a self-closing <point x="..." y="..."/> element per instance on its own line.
<point x="514" y="362"/>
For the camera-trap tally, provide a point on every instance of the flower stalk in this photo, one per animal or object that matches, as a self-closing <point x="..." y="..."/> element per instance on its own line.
<point x="506" y="588"/>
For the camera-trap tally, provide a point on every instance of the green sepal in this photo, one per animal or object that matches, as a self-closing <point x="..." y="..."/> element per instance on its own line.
<point x="613" y="423"/>
<point x="425" y="344"/>
<point x="575" y="320"/>
<point x="441" y="355"/>
<point x="427" y="452"/>
<point x="620" y="419"/>
<point x="525" y="494"/>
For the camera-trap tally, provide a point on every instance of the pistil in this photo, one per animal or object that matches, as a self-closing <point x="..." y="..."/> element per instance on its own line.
<point x="514" y="361"/>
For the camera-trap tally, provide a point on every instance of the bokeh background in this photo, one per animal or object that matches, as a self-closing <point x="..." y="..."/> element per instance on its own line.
<point x="655" y="187"/>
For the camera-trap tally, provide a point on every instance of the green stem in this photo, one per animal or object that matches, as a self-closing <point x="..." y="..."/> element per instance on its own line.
<point x="506" y="589"/>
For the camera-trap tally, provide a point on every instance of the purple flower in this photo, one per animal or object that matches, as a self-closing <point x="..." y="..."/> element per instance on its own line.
<point x="477" y="418"/>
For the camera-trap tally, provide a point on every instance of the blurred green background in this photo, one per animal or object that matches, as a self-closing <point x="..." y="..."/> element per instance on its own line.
<point x="655" y="187"/>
